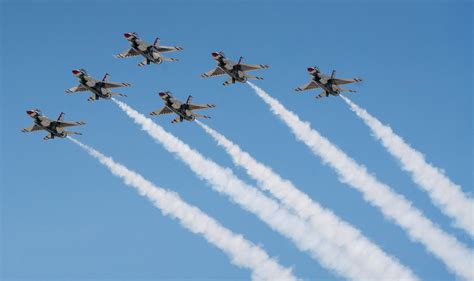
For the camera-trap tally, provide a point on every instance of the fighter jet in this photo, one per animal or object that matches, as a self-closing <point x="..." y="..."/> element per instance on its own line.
<point x="329" y="85"/>
<point x="55" y="128"/>
<point x="183" y="110"/>
<point x="236" y="71"/>
<point x="99" y="89"/>
<point x="151" y="53"/>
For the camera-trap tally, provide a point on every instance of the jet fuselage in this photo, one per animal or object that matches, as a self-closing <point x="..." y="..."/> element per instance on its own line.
<point x="230" y="68"/>
<point x="47" y="125"/>
<point x="329" y="87"/>
<point x="97" y="89"/>
<point x="181" y="109"/>
<point x="149" y="53"/>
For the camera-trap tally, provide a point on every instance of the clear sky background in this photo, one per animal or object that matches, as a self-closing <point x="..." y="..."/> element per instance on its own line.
<point x="65" y="217"/>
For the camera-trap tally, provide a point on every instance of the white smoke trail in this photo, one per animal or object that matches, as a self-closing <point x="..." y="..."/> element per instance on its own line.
<point x="344" y="240"/>
<point x="457" y="257"/>
<point x="268" y="210"/>
<point x="241" y="252"/>
<point x="443" y="192"/>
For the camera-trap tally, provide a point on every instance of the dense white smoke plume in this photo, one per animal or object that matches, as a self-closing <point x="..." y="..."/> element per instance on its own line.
<point x="345" y="240"/>
<point x="443" y="192"/>
<point x="268" y="210"/>
<point x="457" y="257"/>
<point x="241" y="252"/>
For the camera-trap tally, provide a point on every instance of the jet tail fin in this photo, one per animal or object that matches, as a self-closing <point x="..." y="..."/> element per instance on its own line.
<point x="333" y="74"/>
<point x="106" y="77"/>
<point x="61" y="116"/>
<point x="189" y="100"/>
<point x="240" y="60"/>
<point x="157" y="42"/>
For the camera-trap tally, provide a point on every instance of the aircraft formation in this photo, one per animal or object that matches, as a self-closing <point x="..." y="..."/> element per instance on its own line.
<point x="375" y="192"/>
<point x="153" y="53"/>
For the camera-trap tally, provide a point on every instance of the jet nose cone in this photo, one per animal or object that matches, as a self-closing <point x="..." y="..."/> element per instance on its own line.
<point x="75" y="72"/>
<point x="127" y="35"/>
<point x="311" y="69"/>
<point x="214" y="54"/>
<point x="30" y="112"/>
<point x="162" y="94"/>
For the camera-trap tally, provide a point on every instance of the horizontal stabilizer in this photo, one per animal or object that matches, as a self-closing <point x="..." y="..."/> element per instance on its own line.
<point x="176" y="120"/>
<point x="228" y="82"/>
<point x="144" y="62"/>
<point x="347" y="90"/>
<point x="201" y="116"/>
<point x="73" y="133"/>
<point x="254" y="77"/>
<point x="323" y="94"/>
<point x="49" y="136"/>
<point x="168" y="59"/>
<point x="118" y="95"/>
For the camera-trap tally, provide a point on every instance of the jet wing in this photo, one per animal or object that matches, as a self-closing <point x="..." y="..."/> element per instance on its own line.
<point x="109" y="85"/>
<point x="163" y="110"/>
<point x="310" y="85"/>
<point x="163" y="49"/>
<point x="69" y="124"/>
<point x="32" y="128"/>
<point x="128" y="53"/>
<point x="200" y="106"/>
<point x="341" y="81"/>
<point x="216" y="71"/>
<point x="79" y="88"/>
<point x="247" y="67"/>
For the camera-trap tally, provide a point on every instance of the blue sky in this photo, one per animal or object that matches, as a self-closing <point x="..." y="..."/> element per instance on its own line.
<point x="65" y="217"/>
